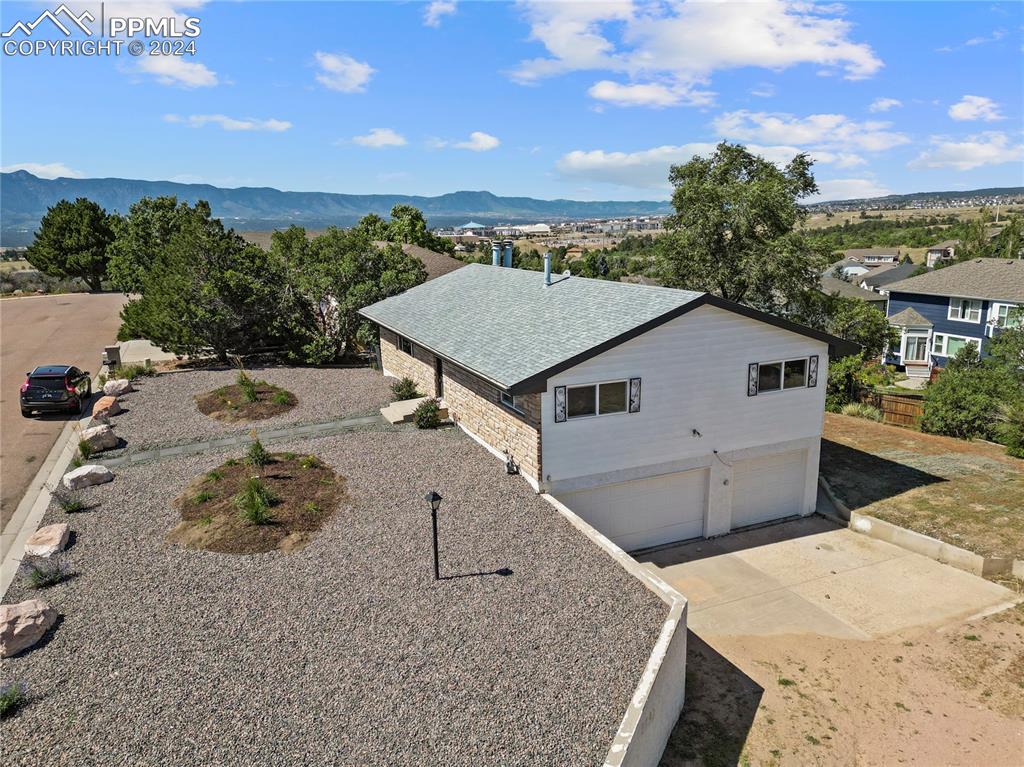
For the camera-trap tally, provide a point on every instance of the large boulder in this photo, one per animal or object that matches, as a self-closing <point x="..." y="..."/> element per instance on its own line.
<point x="47" y="541"/>
<point x="100" y="437"/>
<point x="85" y="476"/>
<point x="23" y="624"/>
<point x="117" y="387"/>
<point x="105" y="407"/>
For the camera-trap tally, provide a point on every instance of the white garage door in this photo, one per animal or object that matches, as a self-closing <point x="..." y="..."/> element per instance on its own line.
<point x="768" y="488"/>
<point x="645" y="512"/>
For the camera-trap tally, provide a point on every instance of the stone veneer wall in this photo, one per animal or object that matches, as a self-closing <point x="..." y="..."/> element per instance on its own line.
<point x="474" y="403"/>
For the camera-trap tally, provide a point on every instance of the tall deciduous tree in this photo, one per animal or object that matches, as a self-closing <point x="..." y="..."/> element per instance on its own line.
<point x="149" y="226"/>
<point x="73" y="241"/>
<point x="407" y="226"/>
<point x="734" y="229"/>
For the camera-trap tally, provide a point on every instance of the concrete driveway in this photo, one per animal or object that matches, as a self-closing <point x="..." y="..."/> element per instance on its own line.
<point x="812" y="576"/>
<point x="68" y="329"/>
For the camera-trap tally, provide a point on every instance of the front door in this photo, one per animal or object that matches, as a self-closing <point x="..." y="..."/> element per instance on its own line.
<point x="438" y="378"/>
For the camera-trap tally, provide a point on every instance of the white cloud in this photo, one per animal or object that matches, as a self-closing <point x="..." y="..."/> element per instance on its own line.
<point x="231" y="123"/>
<point x="996" y="36"/>
<point x="848" y="189"/>
<point x="647" y="94"/>
<point x="827" y="131"/>
<point x="763" y="90"/>
<point x="989" y="148"/>
<point x="478" y="142"/>
<point x="437" y="10"/>
<point x="378" y="138"/>
<point x="680" y="45"/>
<point x="341" y="72"/>
<point x="884" y="104"/>
<point x="44" y="169"/>
<point x="975" y="108"/>
<point x="648" y="168"/>
<point x="174" y="70"/>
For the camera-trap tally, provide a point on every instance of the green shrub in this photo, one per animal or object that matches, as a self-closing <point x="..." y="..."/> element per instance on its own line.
<point x="231" y="462"/>
<point x="214" y="476"/>
<point x="862" y="410"/>
<point x="964" y="401"/>
<point x="289" y="456"/>
<point x="84" y="449"/>
<point x="311" y="508"/>
<point x="248" y="387"/>
<point x="310" y="462"/>
<point x="70" y="505"/>
<point x="131" y="372"/>
<point x="427" y="415"/>
<point x="12" y="697"/>
<point x="1010" y="427"/>
<point x="280" y="398"/>
<point x="76" y="461"/>
<point x="203" y="496"/>
<point x="405" y="388"/>
<point x="257" y="455"/>
<point x="41" y="573"/>
<point x="254" y="501"/>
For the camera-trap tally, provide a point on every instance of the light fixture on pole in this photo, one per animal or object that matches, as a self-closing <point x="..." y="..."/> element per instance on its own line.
<point x="435" y="502"/>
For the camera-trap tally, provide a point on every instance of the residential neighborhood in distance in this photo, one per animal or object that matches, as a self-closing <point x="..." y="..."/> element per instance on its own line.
<point x="512" y="384"/>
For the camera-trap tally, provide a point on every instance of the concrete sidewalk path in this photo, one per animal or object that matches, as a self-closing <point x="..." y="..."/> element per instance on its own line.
<point x="812" y="576"/>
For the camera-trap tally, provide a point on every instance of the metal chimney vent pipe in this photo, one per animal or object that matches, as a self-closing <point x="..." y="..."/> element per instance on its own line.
<point x="508" y="253"/>
<point x="547" y="269"/>
<point x="495" y="253"/>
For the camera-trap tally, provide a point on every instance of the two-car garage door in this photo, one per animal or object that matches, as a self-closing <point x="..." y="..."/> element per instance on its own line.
<point x="646" y="512"/>
<point x="769" y="487"/>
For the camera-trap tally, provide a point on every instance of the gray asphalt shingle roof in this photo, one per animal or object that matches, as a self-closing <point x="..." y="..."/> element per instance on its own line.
<point x="910" y="318"/>
<point x="994" y="278"/>
<point x="829" y="284"/>
<point x="506" y="326"/>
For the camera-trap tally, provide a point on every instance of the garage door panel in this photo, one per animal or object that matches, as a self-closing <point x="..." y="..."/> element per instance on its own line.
<point x="767" y="488"/>
<point x="645" y="512"/>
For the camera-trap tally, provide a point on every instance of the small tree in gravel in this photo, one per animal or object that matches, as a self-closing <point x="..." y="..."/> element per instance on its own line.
<point x="427" y="415"/>
<point x="248" y="386"/>
<point x="12" y="698"/>
<point x="257" y="455"/>
<point x="405" y="388"/>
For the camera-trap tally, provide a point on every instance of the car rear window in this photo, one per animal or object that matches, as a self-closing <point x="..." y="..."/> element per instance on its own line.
<point x="47" y="382"/>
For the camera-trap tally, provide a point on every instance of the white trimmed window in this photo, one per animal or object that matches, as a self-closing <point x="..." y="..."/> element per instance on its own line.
<point x="405" y="345"/>
<point x="946" y="345"/>
<point x="784" y="374"/>
<point x="596" y="399"/>
<point x="1004" y="316"/>
<point x="965" y="309"/>
<point x="915" y="348"/>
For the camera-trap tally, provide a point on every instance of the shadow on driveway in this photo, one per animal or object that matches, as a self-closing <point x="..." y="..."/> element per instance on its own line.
<point x="861" y="479"/>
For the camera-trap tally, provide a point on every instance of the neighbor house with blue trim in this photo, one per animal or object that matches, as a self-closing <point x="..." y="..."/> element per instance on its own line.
<point x="940" y="312"/>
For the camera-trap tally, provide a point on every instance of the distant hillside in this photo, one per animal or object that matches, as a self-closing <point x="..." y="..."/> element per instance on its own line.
<point x="904" y="200"/>
<point x="25" y="199"/>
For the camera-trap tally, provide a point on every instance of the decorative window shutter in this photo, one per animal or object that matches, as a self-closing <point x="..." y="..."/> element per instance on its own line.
<point x="752" y="379"/>
<point x="559" y="404"/>
<point x="812" y="372"/>
<point x="634" y="395"/>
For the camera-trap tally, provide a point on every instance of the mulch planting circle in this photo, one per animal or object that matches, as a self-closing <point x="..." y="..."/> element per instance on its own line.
<point x="229" y="403"/>
<point x="304" y="494"/>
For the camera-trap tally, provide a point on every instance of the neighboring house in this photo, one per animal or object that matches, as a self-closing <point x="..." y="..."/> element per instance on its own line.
<point x="873" y="256"/>
<point x="879" y="280"/>
<point x="940" y="312"/>
<point x="847" y="269"/>
<point x="830" y="285"/>
<point x="435" y="263"/>
<point x="656" y="414"/>
<point x="942" y="252"/>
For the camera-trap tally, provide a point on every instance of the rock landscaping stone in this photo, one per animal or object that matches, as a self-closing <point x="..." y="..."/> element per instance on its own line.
<point x="85" y="476"/>
<point x="47" y="541"/>
<point x="100" y="437"/>
<point x="106" y="407"/>
<point x="117" y="387"/>
<point x="23" y="624"/>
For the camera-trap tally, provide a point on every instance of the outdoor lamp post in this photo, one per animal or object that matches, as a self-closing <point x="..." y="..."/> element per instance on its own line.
<point x="435" y="501"/>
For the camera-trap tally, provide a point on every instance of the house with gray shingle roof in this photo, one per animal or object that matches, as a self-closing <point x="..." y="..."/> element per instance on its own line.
<point x="940" y="312"/>
<point x="656" y="414"/>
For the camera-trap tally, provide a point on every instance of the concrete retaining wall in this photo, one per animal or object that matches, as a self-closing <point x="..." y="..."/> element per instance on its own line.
<point x="658" y="700"/>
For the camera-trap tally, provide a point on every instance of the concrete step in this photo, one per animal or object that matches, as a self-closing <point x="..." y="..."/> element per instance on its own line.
<point x="401" y="412"/>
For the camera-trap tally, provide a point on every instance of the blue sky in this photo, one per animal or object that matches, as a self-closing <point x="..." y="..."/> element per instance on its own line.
<point x="580" y="100"/>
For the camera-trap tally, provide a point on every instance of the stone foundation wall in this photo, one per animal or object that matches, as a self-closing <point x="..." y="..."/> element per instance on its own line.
<point x="473" y="403"/>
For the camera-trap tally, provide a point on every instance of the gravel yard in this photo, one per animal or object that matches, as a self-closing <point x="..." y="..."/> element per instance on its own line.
<point x="345" y="652"/>
<point x="163" y="410"/>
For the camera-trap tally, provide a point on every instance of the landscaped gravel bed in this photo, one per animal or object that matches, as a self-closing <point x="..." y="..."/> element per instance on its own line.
<point x="163" y="410"/>
<point x="346" y="652"/>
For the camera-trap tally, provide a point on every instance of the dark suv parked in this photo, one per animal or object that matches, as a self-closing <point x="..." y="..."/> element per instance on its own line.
<point x="55" y="389"/>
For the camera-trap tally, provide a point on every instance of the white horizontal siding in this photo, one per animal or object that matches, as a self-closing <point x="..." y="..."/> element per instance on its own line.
<point x="694" y="372"/>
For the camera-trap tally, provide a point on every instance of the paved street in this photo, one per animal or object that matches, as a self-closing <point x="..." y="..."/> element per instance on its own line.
<point x="67" y="329"/>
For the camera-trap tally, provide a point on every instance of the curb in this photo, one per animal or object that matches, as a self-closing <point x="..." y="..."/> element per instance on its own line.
<point x="34" y="503"/>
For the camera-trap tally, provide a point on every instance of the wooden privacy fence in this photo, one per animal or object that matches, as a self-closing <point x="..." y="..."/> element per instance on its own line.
<point x="897" y="409"/>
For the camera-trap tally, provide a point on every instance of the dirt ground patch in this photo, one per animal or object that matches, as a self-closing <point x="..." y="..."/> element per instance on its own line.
<point x="950" y="696"/>
<point x="303" y="494"/>
<point x="230" y="403"/>
<point x="970" y="494"/>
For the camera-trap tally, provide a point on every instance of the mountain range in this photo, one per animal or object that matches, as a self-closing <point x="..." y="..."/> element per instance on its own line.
<point x="26" y="198"/>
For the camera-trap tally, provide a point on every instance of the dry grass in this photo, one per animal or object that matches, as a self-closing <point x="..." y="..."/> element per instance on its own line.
<point x="969" y="494"/>
<point x="14" y="266"/>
